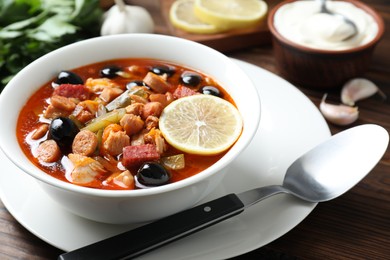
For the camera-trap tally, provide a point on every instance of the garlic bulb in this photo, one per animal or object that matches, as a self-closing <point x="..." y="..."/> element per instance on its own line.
<point x="122" y="18"/>
<point x="339" y="114"/>
<point x="357" y="89"/>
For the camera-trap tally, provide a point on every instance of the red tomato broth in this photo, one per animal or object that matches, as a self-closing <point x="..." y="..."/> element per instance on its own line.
<point x="29" y="119"/>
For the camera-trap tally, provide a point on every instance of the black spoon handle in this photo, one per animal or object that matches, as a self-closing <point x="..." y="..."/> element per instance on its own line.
<point x="156" y="234"/>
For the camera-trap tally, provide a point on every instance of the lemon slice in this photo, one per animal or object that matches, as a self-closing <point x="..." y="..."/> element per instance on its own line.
<point x="201" y="124"/>
<point x="231" y="14"/>
<point x="181" y="15"/>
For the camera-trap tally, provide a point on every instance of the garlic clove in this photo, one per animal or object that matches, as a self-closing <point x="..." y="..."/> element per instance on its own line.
<point x="357" y="89"/>
<point x="142" y="21"/>
<point x="114" y="23"/>
<point x="121" y="18"/>
<point x="338" y="114"/>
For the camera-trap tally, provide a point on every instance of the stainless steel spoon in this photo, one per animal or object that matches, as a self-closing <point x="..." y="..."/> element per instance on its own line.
<point x="321" y="174"/>
<point x="324" y="9"/>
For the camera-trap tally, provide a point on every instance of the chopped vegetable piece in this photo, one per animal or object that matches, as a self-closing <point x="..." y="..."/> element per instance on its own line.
<point x="174" y="162"/>
<point x="125" y="98"/>
<point x="104" y="120"/>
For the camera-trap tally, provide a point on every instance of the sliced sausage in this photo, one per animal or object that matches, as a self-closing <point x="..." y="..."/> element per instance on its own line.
<point x="48" y="151"/>
<point x="40" y="131"/>
<point x="182" y="91"/>
<point x="135" y="155"/>
<point x="84" y="143"/>
<point x="74" y="91"/>
<point x="157" y="83"/>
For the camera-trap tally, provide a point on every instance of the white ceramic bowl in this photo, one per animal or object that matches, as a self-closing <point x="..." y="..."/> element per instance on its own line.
<point x="133" y="205"/>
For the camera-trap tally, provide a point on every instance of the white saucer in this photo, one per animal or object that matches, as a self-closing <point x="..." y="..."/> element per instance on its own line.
<point x="290" y="125"/>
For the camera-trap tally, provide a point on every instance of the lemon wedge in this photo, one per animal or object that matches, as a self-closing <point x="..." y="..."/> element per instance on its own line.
<point x="201" y="124"/>
<point x="181" y="15"/>
<point x="230" y="14"/>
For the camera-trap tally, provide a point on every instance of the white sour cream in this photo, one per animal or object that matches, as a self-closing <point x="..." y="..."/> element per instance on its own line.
<point x="301" y="22"/>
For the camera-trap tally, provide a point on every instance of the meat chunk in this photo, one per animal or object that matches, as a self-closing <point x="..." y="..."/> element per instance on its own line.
<point x="122" y="179"/>
<point x="152" y="109"/>
<point x="40" y="131"/>
<point x="52" y="112"/>
<point x="59" y="106"/>
<point x="84" y="143"/>
<point x="138" y="99"/>
<point x="85" y="110"/>
<point x="135" y="109"/>
<point x="157" y="83"/>
<point x="151" y="122"/>
<point x="115" y="142"/>
<point x="85" y="169"/>
<point x="63" y="103"/>
<point x="138" y="139"/>
<point x="72" y="91"/>
<point x="48" y="151"/>
<point x="182" y="91"/>
<point x="164" y="99"/>
<point x="110" y="128"/>
<point x="132" y="124"/>
<point x="109" y="94"/>
<point x="135" y="155"/>
<point x="97" y="85"/>
<point x="156" y="138"/>
<point x="84" y="116"/>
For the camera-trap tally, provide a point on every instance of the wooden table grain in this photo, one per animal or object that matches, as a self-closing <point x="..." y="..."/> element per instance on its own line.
<point x="353" y="226"/>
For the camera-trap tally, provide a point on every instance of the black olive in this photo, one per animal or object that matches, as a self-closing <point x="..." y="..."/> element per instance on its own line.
<point x="153" y="174"/>
<point x="163" y="69"/>
<point x="63" y="130"/>
<point x="191" y="78"/>
<point x="210" y="90"/>
<point x="68" y="77"/>
<point x="110" y="71"/>
<point x="136" y="83"/>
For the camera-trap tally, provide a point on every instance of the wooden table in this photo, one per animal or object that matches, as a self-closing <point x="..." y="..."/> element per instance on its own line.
<point x="353" y="226"/>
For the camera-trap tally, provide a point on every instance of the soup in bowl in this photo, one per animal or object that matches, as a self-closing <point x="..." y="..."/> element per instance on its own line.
<point x="92" y="122"/>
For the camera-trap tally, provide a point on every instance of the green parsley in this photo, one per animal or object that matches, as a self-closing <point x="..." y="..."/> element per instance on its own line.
<point x="32" y="28"/>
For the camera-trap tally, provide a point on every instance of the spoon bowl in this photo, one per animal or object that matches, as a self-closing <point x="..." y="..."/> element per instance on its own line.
<point x="332" y="168"/>
<point x="324" y="9"/>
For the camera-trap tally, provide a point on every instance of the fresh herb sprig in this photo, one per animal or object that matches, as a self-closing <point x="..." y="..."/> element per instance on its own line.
<point x="32" y="28"/>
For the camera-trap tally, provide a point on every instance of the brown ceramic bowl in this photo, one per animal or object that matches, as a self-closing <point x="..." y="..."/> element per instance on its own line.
<point x="322" y="69"/>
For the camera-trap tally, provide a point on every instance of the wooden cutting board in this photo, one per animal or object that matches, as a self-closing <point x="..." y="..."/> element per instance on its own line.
<point x="227" y="41"/>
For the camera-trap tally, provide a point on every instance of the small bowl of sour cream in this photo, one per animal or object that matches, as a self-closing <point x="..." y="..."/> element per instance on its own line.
<point x="312" y="49"/>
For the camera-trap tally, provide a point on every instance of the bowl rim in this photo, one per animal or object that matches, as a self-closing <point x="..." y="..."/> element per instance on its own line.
<point x="371" y="11"/>
<point x="228" y="157"/>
